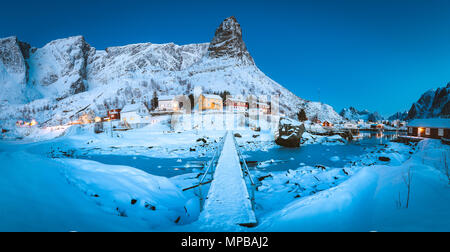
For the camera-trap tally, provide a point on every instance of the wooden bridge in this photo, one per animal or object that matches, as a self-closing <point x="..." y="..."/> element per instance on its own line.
<point x="231" y="196"/>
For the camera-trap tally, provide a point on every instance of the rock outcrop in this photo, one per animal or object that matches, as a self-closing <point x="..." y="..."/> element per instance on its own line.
<point x="433" y="103"/>
<point x="289" y="133"/>
<point x="228" y="42"/>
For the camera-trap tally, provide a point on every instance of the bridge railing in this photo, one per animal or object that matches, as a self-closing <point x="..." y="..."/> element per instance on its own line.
<point x="209" y="172"/>
<point x="247" y="175"/>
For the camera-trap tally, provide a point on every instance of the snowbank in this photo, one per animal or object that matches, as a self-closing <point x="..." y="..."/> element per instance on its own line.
<point x="375" y="199"/>
<point x="40" y="194"/>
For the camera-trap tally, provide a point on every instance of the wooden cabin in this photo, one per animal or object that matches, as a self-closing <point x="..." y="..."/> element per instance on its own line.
<point x="327" y="124"/>
<point x="168" y="103"/>
<point x="429" y="128"/>
<point x="114" y="114"/>
<point x="210" y="102"/>
<point x="135" y="115"/>
<point x="236" y="105"/>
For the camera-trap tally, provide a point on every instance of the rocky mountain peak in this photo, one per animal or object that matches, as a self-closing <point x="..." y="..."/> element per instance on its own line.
<point x="227" y="42"/>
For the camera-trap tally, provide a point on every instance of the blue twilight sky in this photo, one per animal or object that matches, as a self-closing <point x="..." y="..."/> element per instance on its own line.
<point x="376" y="55"/>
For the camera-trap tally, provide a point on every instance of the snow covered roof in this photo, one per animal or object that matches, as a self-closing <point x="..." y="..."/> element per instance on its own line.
<point x="133" y="107"/>
<point x="236" y="100"/>
<point x="212" y="96"/>
<point x="166" y="98"/>
<point x="430" y="123"/>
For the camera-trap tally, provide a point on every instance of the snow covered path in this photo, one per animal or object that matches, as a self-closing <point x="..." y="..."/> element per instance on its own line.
<point x="228" y="202"/>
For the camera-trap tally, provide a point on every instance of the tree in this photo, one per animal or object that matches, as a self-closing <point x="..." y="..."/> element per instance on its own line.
<point x="302" y="115"/>
<point x="154" y="101"/>
<point x="192" y="99"/>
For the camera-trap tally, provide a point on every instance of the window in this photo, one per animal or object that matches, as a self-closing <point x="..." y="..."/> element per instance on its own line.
<point x="410" y="130"/>
<point x="441" y="132"/>
<point x="427" y="131"/>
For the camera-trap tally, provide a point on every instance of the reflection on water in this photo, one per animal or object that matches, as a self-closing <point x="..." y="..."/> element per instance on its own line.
<point x="378" y="137"/>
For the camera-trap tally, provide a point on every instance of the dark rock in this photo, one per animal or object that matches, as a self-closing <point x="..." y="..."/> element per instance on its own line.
<point x="384" y="159"/>
<point x="227" y="42"/>
<point x="178" y="219"/>
<point x="202" y="140"/>
<point x="345" y="172"/>
<point x="321" y="167"/>
<point x="237" y="135"/>
<point x="133" y="201"/>
<point x="255" y="136"/>
<point x="264" y="177"/>
<point x="192" y="149"/>
<point x="289" y="133"/>
<point x="149" y="206"/>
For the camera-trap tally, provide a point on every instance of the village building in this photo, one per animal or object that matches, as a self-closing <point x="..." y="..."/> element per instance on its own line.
<point x="263" y="107"/>
<point x="327" y="124"/>
<point x="135" y="115"/>
<point x="259" y="107"/>
<point x="429" y="128"/>
<point x="168" y="103"/>
<point x="114" y="114"/>
<point x="210" y="102"/>
<point x="236" y="105"/>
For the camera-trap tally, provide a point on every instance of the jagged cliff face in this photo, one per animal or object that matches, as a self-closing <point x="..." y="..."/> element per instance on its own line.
<point x="13" y="69"/>
<point x="68" y="75"/>
<point x="433" y="103"/>
<point x="228" y="42"/>
<point x="58" y="69"/>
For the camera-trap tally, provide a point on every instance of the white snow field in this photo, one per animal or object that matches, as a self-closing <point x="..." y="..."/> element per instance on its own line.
<point x="40" y="194"/>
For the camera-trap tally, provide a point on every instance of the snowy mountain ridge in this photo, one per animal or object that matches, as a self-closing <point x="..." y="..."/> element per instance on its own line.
<point x="433" y="103"/>
<point x="67" y="76"/>
<point x="353" y="114"/>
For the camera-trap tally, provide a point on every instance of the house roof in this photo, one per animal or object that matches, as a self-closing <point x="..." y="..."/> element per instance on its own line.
<point x="133" y="107"/>
<point x="212" y="96"/>
<point x="236" y="100"/>
<point x="431" y="123"/>
<point x="166" y="98"/>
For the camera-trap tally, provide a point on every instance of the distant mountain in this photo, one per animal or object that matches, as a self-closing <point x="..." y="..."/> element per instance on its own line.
<point x="353" y="114"/>
<point x="402" y="116"/>
<point x="58" y="81"/>
<point x="433" y="103"/>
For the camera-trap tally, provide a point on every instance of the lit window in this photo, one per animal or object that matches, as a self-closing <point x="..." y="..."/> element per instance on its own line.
<point x="441" y="132"/>
<point x="427" y="131"/>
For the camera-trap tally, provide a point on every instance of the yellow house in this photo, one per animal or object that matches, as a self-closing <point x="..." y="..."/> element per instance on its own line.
<point x="210" y="102"/>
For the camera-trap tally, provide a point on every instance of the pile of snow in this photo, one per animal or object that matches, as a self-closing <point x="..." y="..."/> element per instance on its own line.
<point x="128" y="192"/>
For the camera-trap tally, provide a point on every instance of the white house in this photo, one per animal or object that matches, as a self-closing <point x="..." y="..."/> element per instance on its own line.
<point x="135" y="115"/>
<point x="236" y="105"/>
<point x="168" y="103"/>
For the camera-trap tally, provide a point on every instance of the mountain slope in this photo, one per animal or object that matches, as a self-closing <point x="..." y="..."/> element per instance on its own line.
<point x="68" y="76"/>
<point x="433" y="103"/>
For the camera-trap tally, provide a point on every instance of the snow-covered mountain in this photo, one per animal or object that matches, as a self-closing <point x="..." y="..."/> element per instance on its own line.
<point x="399" y="116"/>
<point x="66" y="77"/>
<point x="353" y="114"/>
<point x="433" y="103"/>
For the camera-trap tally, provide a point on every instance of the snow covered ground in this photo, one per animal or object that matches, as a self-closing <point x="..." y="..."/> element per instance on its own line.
<point x="45" y="188"/>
